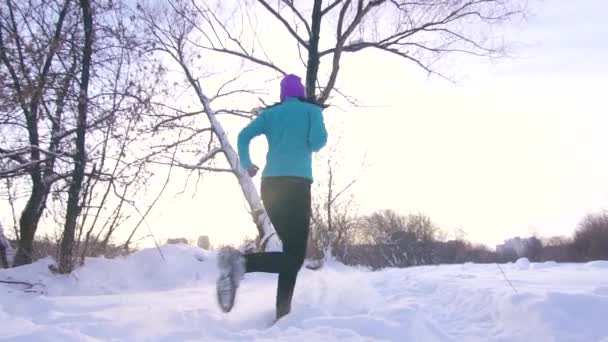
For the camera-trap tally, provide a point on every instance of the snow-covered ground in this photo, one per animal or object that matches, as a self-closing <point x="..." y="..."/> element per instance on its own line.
<point x="145" y="298"/>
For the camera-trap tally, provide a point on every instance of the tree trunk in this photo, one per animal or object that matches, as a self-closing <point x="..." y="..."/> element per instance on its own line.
<point x="28" y="223"/>
<point x="3" y="258"/>
<point x="66" y="259"/>
<point x="4" y="246"/>
<point x="312" y="66"/>
<point x="269" y="240"/>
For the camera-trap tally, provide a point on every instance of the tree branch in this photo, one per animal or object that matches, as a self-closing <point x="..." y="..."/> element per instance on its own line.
<point x="13" y="155"/>
<point x="209" y="156"/>
<point x="290" y="4"/>
<point x="193" y="167"/>
<point x="160" y="193"/>
<point x="18" y="43"/>
<point x="418" y="62"/>
<point x="330" y="7"/>
<point x="16" y="81"/>
<point x="242" y="55"/>
<point x="235" y="112"/>
<point x="341" y="40"/>
<point x="20" y="169"/>
<point x="285" y="23"/>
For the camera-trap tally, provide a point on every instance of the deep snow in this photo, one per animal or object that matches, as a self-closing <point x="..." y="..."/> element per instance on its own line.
<point x="145" y="298"/>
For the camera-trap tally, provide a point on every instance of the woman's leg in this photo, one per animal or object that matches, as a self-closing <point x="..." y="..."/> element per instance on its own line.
<point x="287" y="202"/>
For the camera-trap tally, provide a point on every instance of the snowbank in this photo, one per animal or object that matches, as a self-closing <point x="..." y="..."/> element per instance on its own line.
<point x="149" y="297"/>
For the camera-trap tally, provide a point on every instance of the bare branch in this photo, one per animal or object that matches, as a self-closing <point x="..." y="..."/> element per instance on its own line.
<point x="284" y="22"/>
<point x="290" y="4"/>
<point x="178" y="142"/>
<point x="193" y="166"/>
<point x="417" y="61"/>
<point x="209" y="156"/>
<point x="242" y="55"/>
<point x="235" y="112"/>
<point x="18" y="42"/>
<point x="211" y="18"/>
<point x="14" y="78"/>
<point x="19" y="170"/>
<point x="330" y="7"/>
<point x="63" y="134"/>
<point x="160" y="193"/>
<point x="13" y="155"/>
<point x="183" y="115"/>
<point x="353" y="101"/>
<point x="341" y="40"/>
<point x="333" y="199"/>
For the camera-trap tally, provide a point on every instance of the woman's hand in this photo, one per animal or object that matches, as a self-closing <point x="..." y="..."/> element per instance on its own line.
<point x="253" y="170"/>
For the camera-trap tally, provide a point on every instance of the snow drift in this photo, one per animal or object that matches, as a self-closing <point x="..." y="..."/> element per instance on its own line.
<point x="149" y="297"/>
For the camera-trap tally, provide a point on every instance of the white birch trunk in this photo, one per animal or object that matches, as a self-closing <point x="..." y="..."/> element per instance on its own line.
<point x="269" y="240"/>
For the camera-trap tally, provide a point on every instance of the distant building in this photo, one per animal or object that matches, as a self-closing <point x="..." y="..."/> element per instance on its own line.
<point x="177" y="241"/>
<point x="516" y="244"/>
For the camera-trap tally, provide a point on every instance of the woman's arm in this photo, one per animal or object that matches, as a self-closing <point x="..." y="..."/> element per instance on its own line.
<point x="255" y="128"/>
<point x="317" y="135"/>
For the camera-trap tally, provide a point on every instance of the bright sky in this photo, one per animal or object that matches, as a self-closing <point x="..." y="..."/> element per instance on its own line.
<point x="517" y="145"/>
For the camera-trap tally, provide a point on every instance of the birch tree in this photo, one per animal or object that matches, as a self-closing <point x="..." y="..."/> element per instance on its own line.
<point x="175" y="30"/>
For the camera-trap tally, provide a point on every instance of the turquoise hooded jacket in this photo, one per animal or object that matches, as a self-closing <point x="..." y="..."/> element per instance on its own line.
<point x="294" y="130"/>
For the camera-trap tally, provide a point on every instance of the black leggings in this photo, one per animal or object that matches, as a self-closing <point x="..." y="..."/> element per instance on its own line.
<point x="287" y="202"/>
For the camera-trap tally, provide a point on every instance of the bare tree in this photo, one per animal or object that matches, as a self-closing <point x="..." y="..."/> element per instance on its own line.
<point x="534" y="249"/>
<point x="35" y="86"/>
<point x="123" y="83"/>
<point x="380" y="226"/>
<point x="404" y="240"/>
<point x="419" y="32"/>
<point x="557" y="248"/>
<point x="110" y="166"/>
<point x="591" y="238"/>
<point x="334" y="219"/>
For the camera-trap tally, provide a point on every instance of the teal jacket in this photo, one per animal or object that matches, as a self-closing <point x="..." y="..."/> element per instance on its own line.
<point x="294" y="130"/>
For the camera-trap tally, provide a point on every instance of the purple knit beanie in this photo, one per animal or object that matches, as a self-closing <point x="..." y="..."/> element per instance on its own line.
<point x="291" y="86"/>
